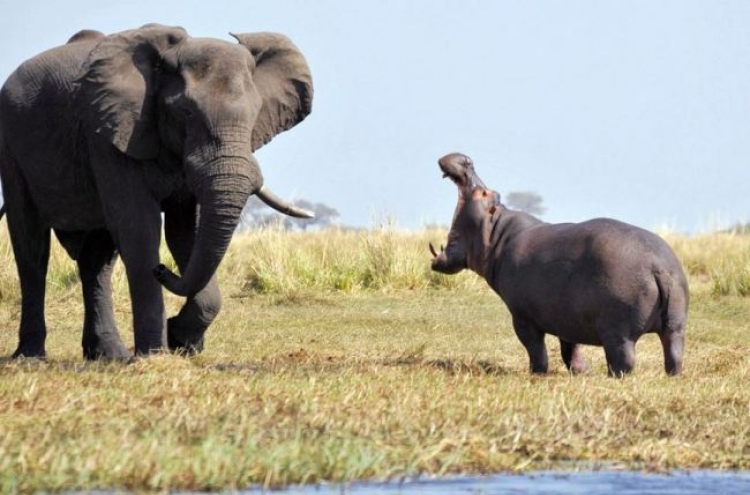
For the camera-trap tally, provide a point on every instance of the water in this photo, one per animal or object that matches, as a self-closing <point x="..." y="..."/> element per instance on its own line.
<point x="545" y="483"/>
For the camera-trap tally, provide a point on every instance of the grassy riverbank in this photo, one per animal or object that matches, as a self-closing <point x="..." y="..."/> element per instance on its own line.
<point x="340" y="356"/>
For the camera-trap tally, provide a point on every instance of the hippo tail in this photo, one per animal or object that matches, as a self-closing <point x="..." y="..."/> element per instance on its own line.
<point x="673" y="307"/>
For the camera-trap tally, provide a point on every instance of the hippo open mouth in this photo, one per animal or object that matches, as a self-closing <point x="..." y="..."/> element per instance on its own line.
<point x="460" y="169"/>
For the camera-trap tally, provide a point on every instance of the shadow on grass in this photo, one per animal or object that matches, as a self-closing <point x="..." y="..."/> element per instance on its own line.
<point x="472" y="367"/>
<point x="299" y="360"/>
<point x="331" y="364"/>
<point x="10" y="364"/>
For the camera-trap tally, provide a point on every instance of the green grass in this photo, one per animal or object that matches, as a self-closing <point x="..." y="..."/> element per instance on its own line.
<point x="340" y="356"/>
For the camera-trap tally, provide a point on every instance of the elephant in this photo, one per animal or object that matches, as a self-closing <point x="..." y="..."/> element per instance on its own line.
<point x="600" y="282"/>
<point x="103" y="136"/>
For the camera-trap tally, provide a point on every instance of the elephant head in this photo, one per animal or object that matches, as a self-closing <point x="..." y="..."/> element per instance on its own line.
<point x="199" y="106"/>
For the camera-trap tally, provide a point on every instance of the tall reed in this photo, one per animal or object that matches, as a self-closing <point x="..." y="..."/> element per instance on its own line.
<point x="274" y="260"/>
<point x="718" y="262"/>
<point x="383" y="258"/>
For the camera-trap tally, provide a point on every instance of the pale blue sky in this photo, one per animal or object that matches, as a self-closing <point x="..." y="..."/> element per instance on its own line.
<point x="638" y="110"/>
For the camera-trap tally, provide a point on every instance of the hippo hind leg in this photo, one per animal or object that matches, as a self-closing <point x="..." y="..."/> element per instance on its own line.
<point x="672" y="337"/>
<point x="673" y="295"/>
<point x="673" y="343"/>
<point x="573" y="357"/>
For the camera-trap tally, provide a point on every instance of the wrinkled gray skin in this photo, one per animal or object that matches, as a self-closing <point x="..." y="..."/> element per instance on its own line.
<point x="600" y="282"/>
<point x="102" y="135"/>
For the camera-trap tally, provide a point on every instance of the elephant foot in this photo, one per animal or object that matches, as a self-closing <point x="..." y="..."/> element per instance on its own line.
<point x="102" y="352"/>
<point x="30" y="351"/>
<point x="104" y="344"/>
<point x="181" y="341"/>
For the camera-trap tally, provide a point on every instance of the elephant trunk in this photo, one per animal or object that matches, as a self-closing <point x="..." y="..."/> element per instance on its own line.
<point x="222" y="189"/>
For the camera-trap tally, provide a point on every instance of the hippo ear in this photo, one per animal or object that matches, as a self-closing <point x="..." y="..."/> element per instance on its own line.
<point x="117" y="96"/>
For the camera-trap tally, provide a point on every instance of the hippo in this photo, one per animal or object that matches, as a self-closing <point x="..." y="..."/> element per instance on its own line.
<point x="600" y="282"/>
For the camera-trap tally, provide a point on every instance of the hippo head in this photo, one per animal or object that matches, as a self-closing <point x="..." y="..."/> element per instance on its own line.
<point x="468" y="239"/>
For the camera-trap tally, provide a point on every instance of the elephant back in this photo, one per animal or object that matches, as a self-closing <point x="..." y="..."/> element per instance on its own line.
<point x="50" y="78"/>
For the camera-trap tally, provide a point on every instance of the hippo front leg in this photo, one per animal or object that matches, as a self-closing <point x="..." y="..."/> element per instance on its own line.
<point x="533" y="340"/>
<point x="572" y="356"/>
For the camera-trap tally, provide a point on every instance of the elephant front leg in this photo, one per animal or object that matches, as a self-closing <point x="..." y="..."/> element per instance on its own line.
<point x="101" y="339"/>
<point x="140" y="254"/>
<point x="133" y="218"/>
<point x="186" y="330"/>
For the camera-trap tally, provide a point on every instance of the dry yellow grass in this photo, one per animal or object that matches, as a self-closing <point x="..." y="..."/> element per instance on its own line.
<point x="339" y="356"/>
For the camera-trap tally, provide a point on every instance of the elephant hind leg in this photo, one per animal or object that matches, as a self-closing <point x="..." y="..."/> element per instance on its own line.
<point x="31" y="248"/>
<point x="101" y="339"/>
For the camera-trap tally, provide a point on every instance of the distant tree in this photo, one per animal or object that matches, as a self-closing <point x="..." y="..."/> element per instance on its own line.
<point x="527" y="201"/>
<point x="256" y="214"/>
<point x="324" y="216"/>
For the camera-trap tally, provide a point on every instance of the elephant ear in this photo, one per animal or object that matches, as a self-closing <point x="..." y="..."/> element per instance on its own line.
<point x="283" y="79"/>
<point x="117" y="95"/>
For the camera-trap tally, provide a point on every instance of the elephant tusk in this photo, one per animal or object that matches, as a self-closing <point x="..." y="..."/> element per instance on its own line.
<point x="282" y="206"/>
